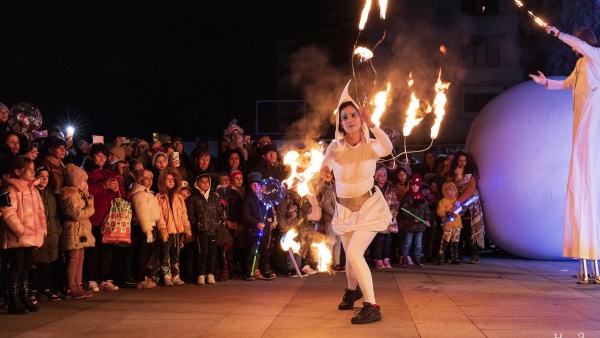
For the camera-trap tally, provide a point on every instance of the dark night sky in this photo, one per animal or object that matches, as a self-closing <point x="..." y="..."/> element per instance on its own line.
<point x="137" y="67"/>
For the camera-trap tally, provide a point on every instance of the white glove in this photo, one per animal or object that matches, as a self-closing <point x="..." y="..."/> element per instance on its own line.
<point x="149" y="238"/>
<point x="552" y="30"/>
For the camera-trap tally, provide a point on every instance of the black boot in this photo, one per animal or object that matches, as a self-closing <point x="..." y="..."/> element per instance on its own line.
<point x="15" y="307"/>
<point x="24" y="292"/>
<point x="454" y="253"/>
<point x="368" y="314"/>
<point x="349" y="298"/>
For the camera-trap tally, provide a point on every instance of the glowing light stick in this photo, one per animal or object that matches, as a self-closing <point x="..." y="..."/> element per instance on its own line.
<point x="535" y="18"/>
<point x="460" y="209"/>
<point x="438" y="103"/>
<point x="380" y="100"/>
<point x="290" y="245"/>
<point x="415" y="216"/>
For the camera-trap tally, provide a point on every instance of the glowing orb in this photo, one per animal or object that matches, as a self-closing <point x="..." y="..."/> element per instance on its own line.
<point x="521" y="141"/>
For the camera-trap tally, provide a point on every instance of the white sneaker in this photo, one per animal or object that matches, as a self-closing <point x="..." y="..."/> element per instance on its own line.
<point x="108" y="286"/>
<point x="177" y="281"/>
<point x="210" y="279"/>
<point x="93" y="286"/>
<point x="201" y="280"/>
<point x="410" y="262"/>
<point x="307" y="269"/>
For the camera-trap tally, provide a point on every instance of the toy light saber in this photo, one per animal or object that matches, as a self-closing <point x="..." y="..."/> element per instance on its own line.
<point x="415" y="216"/>
<point x="460" y="209"/>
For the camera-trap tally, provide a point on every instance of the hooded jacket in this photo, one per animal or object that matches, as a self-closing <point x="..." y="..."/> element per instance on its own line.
<point x="447" y="205"/>
<point x="146" y="211"/>
<point x="207" y="214"/>
<point x="173" y="215"/>
<point x="25" y="221"/>
<point x="418" y="207"/>
<point x="77" y="210"/>
<point x="48" y="252"/>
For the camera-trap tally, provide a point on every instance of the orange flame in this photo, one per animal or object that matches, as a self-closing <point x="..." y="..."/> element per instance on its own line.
<point x="382" y="8"/>
<point x="287" y="241"/>
<point x="364" y="53"/>
<point x="303" y="178"/>
<point x="380" y="100"/>
<point x="365" y="15"/>
<point x="410" y="80"/>
<point x="411" y="115"/>
<point x="438" y="103"/>
<point x="535" y="18"/>
<point x="291" y="159"/>
<point x="443" y="49"/>
<point x="324" y="257"/>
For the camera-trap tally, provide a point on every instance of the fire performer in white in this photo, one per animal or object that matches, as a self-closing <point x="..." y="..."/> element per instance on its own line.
<point x="582" y="213"/>
<point x="361" y="209"/>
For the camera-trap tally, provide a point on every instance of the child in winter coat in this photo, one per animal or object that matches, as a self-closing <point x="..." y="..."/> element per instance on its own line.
<point x="172" y="223"/>
<point x="23" y="230"/>
<point x="452" y="228"/>
<point x="382" y="243"/>
<point x="146" y="213"/>
<point x="207" y="214"/>
<point x="415" y="203"/>
<point x="47" y="255"/>
<point x="77" y="206"/>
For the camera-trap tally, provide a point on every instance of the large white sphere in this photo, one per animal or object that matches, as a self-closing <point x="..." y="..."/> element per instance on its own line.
<point x="521" y="141"/>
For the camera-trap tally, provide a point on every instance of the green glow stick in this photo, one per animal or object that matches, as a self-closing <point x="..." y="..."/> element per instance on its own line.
<point x="415" y="216"/>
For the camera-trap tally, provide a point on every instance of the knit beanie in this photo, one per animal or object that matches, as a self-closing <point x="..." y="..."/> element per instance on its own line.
<point x="75" y="176"/>
<point x="416" y="179"/>
<point x="254" y="177"/>
<point x="381" y="169"/>
<point x="3" y="106"/>
<point x="269" y="147"/>
<point x="141" y="174"/>
<point x="156" y="155"/>
<point x="233" y="126"/>
<point x="234" y="173"/>
<point x="118" y="152"/>
<point x="39" y="168"/>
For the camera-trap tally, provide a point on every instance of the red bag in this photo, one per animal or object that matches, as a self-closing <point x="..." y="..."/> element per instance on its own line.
<point x="117" y="227"/>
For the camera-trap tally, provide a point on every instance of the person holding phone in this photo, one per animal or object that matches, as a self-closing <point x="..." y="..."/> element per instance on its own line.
<point x="463" y="173"/>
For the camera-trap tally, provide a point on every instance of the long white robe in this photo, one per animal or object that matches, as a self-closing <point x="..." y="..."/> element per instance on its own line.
<point x="582" y="221"/>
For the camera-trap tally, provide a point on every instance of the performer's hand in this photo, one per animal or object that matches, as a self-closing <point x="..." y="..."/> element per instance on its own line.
<point x="552" y="30"/>
<point x="324" y="171"/>
<point x="427" y="224"/>
<point x="261" y="226"/>
<point x="540" y="78"/>
<point x="366" y="116"/>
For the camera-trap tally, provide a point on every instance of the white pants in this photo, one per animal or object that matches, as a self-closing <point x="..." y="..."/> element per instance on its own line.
<point x="357" y="270"/>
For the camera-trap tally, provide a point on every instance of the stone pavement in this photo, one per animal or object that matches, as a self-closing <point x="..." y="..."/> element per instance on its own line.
<point x="501" y="297"/>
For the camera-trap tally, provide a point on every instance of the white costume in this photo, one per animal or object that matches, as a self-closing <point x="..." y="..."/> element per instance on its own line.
<point x="353" y="168"/>
<point x="582" y="221"/>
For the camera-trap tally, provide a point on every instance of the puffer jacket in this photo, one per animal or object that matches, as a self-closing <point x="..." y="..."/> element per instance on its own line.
<point x="25" y="221"/>
<point x="48" y="252"/>
<point x="175" y="219"/>
<point x="146" y="210"/>
<point x="447" y="205"/>
<point x="206" y="214"/>
<point x="418" y="207"/>
<point x="102" y="197"/>
<point x="77" y="228"/>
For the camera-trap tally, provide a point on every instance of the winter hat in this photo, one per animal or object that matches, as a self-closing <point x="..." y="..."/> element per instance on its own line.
<point x="269" y="147"/>
<point x="177" y="138"/>
<point x="416" y="179"/>
<point x="448" y="185"/>
<point x="234" y="173"/>
<point x="141" y="174"/>
<point x="39" y="168"/>
<point x="75" y="176"/>
<point x="164" y="138"/>
<point x="3" y="106"/>
<point x="119" y="152"/>
<point x="381" y="169"/>
<point x="232" y="126"/>
<point x="254" y="177"/>
<point x="156" y="155"/>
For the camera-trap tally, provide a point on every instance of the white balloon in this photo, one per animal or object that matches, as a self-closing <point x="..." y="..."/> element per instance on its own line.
<point x="521" y="142"/>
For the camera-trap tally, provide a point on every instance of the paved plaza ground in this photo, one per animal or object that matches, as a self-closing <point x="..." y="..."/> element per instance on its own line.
<point x="501" y="297"/>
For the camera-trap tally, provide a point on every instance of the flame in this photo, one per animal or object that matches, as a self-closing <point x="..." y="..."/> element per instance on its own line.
<point x="382" y="8"/>
<point x="365" y="15"/>
<point x="410" y="80"/>
<point x="438" y="103"/>
<point x="287" y="241"/>
<point x="365" y="53"/>
<point x="291" y="158"/>
<point x="304" y="177"/>
<point x="411" y="115"/>
<point x="443" y="49"/>
<point x="519" y="3"/>
<point x="380" y="100"/>
<point x="535" y="18"/>
<point x="324" y="256"/>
